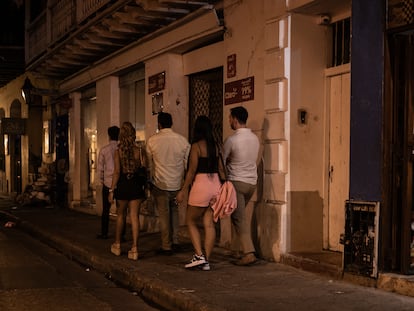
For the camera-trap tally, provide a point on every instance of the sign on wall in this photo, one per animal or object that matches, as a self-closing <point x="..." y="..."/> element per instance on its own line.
<point x="156" y="82"/>
<point x="231" y="66"/>
<point x="13" y="126"/>
<point x="239" y="91"/>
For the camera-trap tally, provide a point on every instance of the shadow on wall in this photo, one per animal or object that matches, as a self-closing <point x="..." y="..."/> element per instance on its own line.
<point x="266" y="222"/>
<point x="306" y="221"/>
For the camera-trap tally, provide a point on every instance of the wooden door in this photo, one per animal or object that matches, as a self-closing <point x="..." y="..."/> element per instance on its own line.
<point x="339" y="142"/>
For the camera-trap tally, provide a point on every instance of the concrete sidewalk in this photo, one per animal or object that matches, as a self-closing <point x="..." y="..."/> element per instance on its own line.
<point x="164" y="281"/>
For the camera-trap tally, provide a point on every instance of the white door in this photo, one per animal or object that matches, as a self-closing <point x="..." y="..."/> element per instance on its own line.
<point x="339" y="137"/>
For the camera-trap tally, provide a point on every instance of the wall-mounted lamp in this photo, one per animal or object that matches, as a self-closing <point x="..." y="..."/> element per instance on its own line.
<point x="33" y="96"/>
<point x="27" y="89"/>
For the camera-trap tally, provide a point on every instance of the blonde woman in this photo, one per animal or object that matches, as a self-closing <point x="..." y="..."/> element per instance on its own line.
<point x="128" y="186"/>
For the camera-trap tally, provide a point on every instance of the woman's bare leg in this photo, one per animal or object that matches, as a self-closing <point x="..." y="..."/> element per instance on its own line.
<point x="133" y="213"/>
<point x="210" y="231"/>
<point x="194" y="213"/>
<point x="121" y="209"/>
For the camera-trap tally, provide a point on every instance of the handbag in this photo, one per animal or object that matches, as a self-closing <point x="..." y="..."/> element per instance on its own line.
<point x="142" y="169"/>
<point x="142" y="172"/>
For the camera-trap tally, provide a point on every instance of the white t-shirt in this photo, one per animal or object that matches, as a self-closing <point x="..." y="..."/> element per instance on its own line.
<point x="240" y="152"/>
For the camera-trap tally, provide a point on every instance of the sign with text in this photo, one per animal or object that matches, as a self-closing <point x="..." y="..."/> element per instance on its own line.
<point x="239" y="91"/>
<point x="13" y="126"/>
<point x="156" y="82"/>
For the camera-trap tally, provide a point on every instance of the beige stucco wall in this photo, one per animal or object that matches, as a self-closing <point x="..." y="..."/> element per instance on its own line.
<point x="108" y="114"/>
<point x="245" y="37"/>
<point x="286" y="54"/>
<point x="175" y="94"/>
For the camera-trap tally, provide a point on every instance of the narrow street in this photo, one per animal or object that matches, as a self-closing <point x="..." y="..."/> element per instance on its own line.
<point x="35" y="277"/>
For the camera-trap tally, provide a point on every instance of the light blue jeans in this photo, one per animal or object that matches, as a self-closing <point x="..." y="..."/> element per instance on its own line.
<point x="241" y="220"/>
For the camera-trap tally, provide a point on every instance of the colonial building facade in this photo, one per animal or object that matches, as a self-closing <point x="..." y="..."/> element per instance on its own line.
<point x="328" y="180"/>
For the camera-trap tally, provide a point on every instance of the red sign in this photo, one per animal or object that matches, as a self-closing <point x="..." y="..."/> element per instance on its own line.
<point x="239" y="91"/>
<point x="231" y="66"/>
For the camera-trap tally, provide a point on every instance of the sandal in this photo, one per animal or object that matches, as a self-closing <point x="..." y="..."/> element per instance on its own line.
<point x="116" y="249"/>
<point x="133" y="254"/>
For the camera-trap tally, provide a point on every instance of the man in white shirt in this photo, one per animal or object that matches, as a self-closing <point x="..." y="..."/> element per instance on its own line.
<point x="105" y="172"/>
<point x="167" y="154"/>
<point x="240" y="152"/>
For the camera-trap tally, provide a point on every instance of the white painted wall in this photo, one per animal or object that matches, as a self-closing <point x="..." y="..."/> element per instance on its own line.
<point x="107" y="112"/>
<point x="307" y="141"/>
<point x="245" y="38"/>
<point x="175" y="94"/>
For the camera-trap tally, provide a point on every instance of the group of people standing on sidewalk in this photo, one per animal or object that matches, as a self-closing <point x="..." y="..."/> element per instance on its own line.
<point x="125" y="170"/>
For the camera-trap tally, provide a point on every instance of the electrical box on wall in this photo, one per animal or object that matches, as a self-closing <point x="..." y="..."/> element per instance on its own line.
<point x="361" y="238"/>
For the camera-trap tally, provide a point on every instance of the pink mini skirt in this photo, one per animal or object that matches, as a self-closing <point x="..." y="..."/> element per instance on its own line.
<point x="204" y="188"/>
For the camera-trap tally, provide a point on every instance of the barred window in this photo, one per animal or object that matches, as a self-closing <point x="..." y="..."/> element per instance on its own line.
<point x="341" y="42"/>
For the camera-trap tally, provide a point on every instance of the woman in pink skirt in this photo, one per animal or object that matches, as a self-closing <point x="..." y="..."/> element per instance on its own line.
<point x="202" y="175"/>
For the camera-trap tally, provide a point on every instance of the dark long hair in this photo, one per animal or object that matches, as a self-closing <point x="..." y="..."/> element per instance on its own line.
<point x="203" y="130"/>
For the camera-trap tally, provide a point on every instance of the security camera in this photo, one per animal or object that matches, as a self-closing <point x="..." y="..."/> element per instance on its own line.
<point x="324" y="19"/>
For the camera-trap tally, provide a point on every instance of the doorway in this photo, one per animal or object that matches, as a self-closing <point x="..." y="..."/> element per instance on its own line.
<point x="206" y="98"/>
<point x="15" y="151"/>
<point x="397" y="218"/>
<point x="338" y="171"/>
<point x="88" y="147"/>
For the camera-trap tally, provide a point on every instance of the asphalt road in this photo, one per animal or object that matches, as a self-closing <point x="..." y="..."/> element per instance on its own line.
<point x="35" y="277"/>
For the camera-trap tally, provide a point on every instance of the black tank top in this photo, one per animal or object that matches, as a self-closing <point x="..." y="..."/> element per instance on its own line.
<point x="203" y="166"/>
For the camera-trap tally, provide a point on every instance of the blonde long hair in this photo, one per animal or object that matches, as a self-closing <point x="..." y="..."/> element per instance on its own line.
<point x="126" y="147"/>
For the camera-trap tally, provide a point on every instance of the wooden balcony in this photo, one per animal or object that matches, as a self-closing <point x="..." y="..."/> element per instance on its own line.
<point x="72" y="34"/>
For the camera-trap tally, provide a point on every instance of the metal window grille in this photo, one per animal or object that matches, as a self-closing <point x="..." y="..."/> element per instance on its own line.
<point x="400" y="13"/>
<point x="341" y="42"/>
<point x="206" y="98"/>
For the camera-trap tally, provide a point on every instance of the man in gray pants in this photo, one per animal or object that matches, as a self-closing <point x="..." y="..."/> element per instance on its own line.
<point x="240" y="152"/>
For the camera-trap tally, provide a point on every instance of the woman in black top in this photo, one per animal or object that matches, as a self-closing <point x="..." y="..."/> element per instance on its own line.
<point x="202" y="176"/>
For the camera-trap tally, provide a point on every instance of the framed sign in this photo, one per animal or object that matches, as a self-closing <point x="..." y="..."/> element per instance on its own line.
<point x="239" y="91"/>
<point x="13" y="126"/>
<point x="156" y="82"/>
<point x="231" y="66"/>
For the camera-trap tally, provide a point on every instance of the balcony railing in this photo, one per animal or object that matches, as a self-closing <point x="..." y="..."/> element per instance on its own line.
<point x="64" y="16"/>
<point x="86" y="8"/>
<point x="36" y="36"/>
